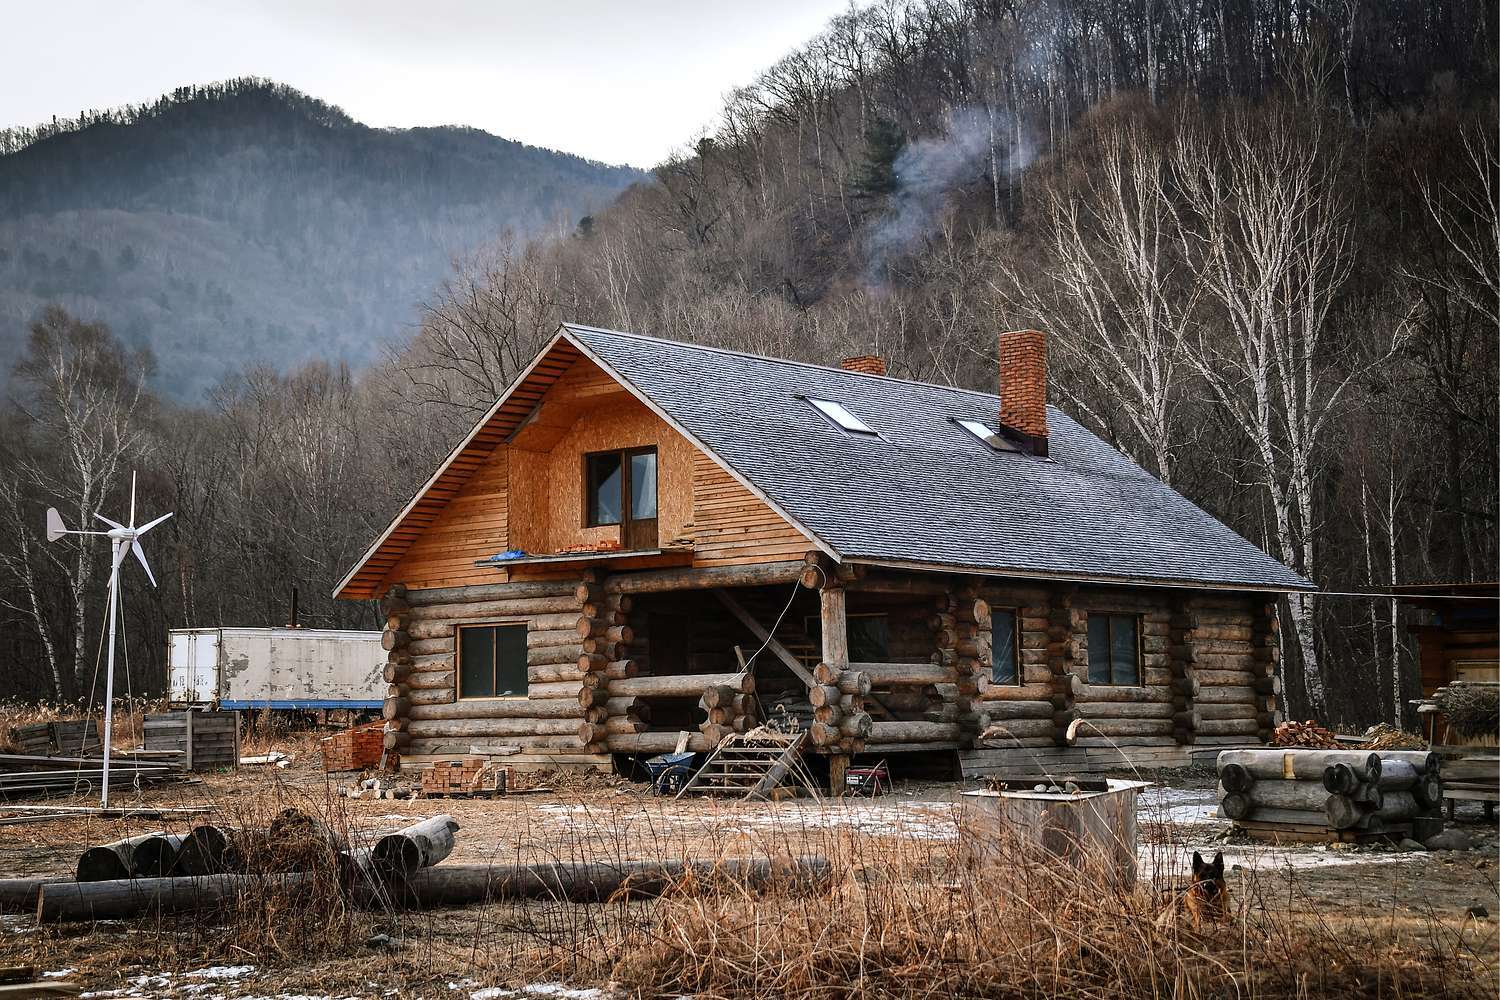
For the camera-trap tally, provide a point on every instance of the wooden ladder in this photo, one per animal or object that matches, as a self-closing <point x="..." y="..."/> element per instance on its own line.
<point x="739" y="767"/>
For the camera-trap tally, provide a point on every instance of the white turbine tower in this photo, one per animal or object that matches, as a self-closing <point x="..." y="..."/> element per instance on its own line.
<point x="125" y="539"/>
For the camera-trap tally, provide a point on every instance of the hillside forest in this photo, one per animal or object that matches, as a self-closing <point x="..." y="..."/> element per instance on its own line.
<point x="1262" y="237"/>
<point x="243" y="222"/>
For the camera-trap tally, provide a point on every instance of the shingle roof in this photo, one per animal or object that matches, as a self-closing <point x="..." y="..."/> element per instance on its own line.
<point x="926" y="491"/>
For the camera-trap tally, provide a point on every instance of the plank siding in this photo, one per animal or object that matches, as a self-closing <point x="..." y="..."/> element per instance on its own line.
<point x="732" y="526"/>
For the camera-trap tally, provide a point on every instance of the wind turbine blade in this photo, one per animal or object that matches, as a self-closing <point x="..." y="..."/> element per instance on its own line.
<point x="55" y="527"/>
<point x="149" y="525"/>
<point x="140" y="554"/>
<point x="132" y="499"/>
<point x="112" y="524"/>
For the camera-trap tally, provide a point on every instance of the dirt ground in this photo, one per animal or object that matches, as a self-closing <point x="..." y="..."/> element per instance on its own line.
<point x="600" y="817"/>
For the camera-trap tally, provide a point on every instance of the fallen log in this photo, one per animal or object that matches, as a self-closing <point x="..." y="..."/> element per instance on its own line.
<point x="113" y="860"/>
<point x="205" y="851"/>
<point x="121" y="898"/>
<point x="18" y="895"/>
<point x="401" y="854"/>
<point x="155" y="857"/>
<point x="460" y="885"/>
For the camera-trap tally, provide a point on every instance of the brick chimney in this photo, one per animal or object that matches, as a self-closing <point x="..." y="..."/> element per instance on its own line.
<point x="870" y="364"/>
<point x="1023" y="388"/>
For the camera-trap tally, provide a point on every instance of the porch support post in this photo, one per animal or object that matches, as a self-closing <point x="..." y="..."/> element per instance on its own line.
<point x="835" y="622"/>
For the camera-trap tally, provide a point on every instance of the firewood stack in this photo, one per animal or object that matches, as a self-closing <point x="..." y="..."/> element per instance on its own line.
<point x="1307" y="734"/>
<point x="839" y="718"/>
<point x="395" y="640"/>
<point x="605" y="637"/>
<point x="1331" y="794"/>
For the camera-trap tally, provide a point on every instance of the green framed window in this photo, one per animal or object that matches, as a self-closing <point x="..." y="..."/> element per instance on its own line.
<point x="491" y="661"/>
<point x="1114" y="648"/>
<point x="1005" y="646"/>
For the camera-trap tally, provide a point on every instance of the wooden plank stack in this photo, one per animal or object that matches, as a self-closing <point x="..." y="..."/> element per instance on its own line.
<point x="354" y="749"/>
<point x="48" y="738"/>
<point x="205" y="739"/>
<point x="1329" y="795"/>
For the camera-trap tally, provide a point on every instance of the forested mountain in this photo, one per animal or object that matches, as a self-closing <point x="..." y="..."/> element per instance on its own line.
<point x="244" y="221"/>
<point x="1262" y="237"/>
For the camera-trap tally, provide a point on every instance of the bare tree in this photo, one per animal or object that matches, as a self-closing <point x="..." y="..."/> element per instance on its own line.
<point x="1270" y="237"/>
<point x="82" y="402"/>
<point x="1115" y="289"/>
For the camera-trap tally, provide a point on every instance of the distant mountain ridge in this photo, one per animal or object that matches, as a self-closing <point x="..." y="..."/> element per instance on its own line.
<point x="246" y="221"/>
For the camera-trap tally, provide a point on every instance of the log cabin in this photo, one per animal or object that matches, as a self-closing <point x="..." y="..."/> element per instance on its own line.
<point x="644" y="538"/>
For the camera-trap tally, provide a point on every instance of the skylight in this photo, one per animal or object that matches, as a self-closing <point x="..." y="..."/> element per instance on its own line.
<point x="983" y="433"/>
<point x="841" y="416"/>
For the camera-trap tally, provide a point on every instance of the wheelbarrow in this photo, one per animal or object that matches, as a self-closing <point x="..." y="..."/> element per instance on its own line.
<point x="670" y="772"/>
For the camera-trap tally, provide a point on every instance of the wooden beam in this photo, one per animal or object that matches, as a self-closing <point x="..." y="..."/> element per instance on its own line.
<point x="656" y="582"/>
<point x="759" y="631"/>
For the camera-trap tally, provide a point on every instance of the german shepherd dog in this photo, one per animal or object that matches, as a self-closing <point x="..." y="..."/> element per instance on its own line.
<point x="1207" y="898"/>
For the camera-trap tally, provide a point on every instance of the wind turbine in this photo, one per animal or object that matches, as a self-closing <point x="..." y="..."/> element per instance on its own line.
<point x="125" y="539"/>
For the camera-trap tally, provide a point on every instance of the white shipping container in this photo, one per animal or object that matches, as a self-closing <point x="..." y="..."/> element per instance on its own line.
<point x="297" y="668"/>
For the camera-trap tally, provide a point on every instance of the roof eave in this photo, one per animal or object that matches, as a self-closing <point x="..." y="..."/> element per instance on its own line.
<point x="1107" y="579"/>
<point x="458" y="449"/>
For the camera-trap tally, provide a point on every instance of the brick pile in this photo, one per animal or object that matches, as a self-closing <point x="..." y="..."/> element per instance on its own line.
<point x="354" y="749"/>
<point x="445" y="777"/>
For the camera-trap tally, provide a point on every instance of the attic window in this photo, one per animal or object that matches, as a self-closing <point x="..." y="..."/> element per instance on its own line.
<point x="983" y="433"/>
<point x="841" y="416"/>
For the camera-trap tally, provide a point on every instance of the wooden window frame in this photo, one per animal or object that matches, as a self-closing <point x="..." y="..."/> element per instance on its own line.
<point x="625" y="455"/>
<point x="458" y="659"/>
<point x="1140" y="655"/>
<point x="1015" y="636"/>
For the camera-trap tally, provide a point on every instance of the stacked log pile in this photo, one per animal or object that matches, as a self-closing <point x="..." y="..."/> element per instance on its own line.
<point x="1331" y="794"/>
<point x="731" y="694"/>
<point x="421" y="709"/>
<point x="1265" y="652"/>
<point x="727" y="709"/>
<point x="840" y="722"/>
<point x="604" y="636"/>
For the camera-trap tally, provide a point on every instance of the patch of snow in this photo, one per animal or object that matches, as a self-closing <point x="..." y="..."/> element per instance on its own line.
<point x="222" y="972"/>
<point x="491" y="993"/>
<point x="59" y="974"/>
<point x="559" y="990"/>
<point x="1183" y="806"/>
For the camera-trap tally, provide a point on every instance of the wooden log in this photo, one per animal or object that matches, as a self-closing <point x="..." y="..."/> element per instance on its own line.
<point x="155" y="857"/>
<point x="1292" y="817"/>
<point x="1237" y="778"/>
<point x="1425" y="761"/>
<point x="593" y="697"/>
<point x="394" y="639"/>
<point x="1003" y="710"/>
<point x="559" y="689"/>
<point x="624" y="704"/>
<point x="1303" y="795"/>
<point x="1343" y="812"/>
<point x="554" y="655"/>
<point x="913" y="732"/>
<point x="857" y="725"/>
<point x="1092" y="709"/>
<point x="113" y="860"/>
<point x="655" y="742"/>
<point x="124" y="898"/>
<point x="488" y="592"/>
<point x="402" y="854"/>
<point x="597" y="882"/>
<point x="607" y="648"/>
<point x="396" y="671"/>
<point x="896" y="674"/>
<point x="823" y="734"/>
<point x="204" y="851"/>
<point x="1228" y="727"/>
<point x="832" y="609"/>
<point x="620" y="725"/>
<point x="715" y="734"/>
<point x="1303" y="765"/>
<point x="1127" y="727"/>
<point x="448" y="728"/>
<point x="680" y="685"/>
<point x="589" y="732"/>
<point x="395" y="740"/>
<point x="718" y="696"/>
<point x="498" y="708"/>
<point x="553" y="637"/>
<point x="662" y="581"/>
<point x="513" y="608"/>
<point x="434" y="680"/>
<point x="395" y="708"/>
<point x="823" y="695"/>
<point x="425" y="647"/>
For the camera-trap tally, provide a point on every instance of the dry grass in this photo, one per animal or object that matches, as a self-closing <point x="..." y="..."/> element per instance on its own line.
<point x="910" y="912"/>
<point x="128" y="724"/>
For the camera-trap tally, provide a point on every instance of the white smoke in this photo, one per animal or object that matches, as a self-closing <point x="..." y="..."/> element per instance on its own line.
<point x="928" y="169"/>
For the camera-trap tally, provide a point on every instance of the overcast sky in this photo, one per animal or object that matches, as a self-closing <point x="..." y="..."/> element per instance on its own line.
<point x="615" y="80"/>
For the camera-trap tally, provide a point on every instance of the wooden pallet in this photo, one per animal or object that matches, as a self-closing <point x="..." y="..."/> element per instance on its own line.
<point x="1309" y="834"/>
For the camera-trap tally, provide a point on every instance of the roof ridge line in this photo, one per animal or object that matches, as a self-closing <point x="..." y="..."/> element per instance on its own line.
<point x="768" y="357"/>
